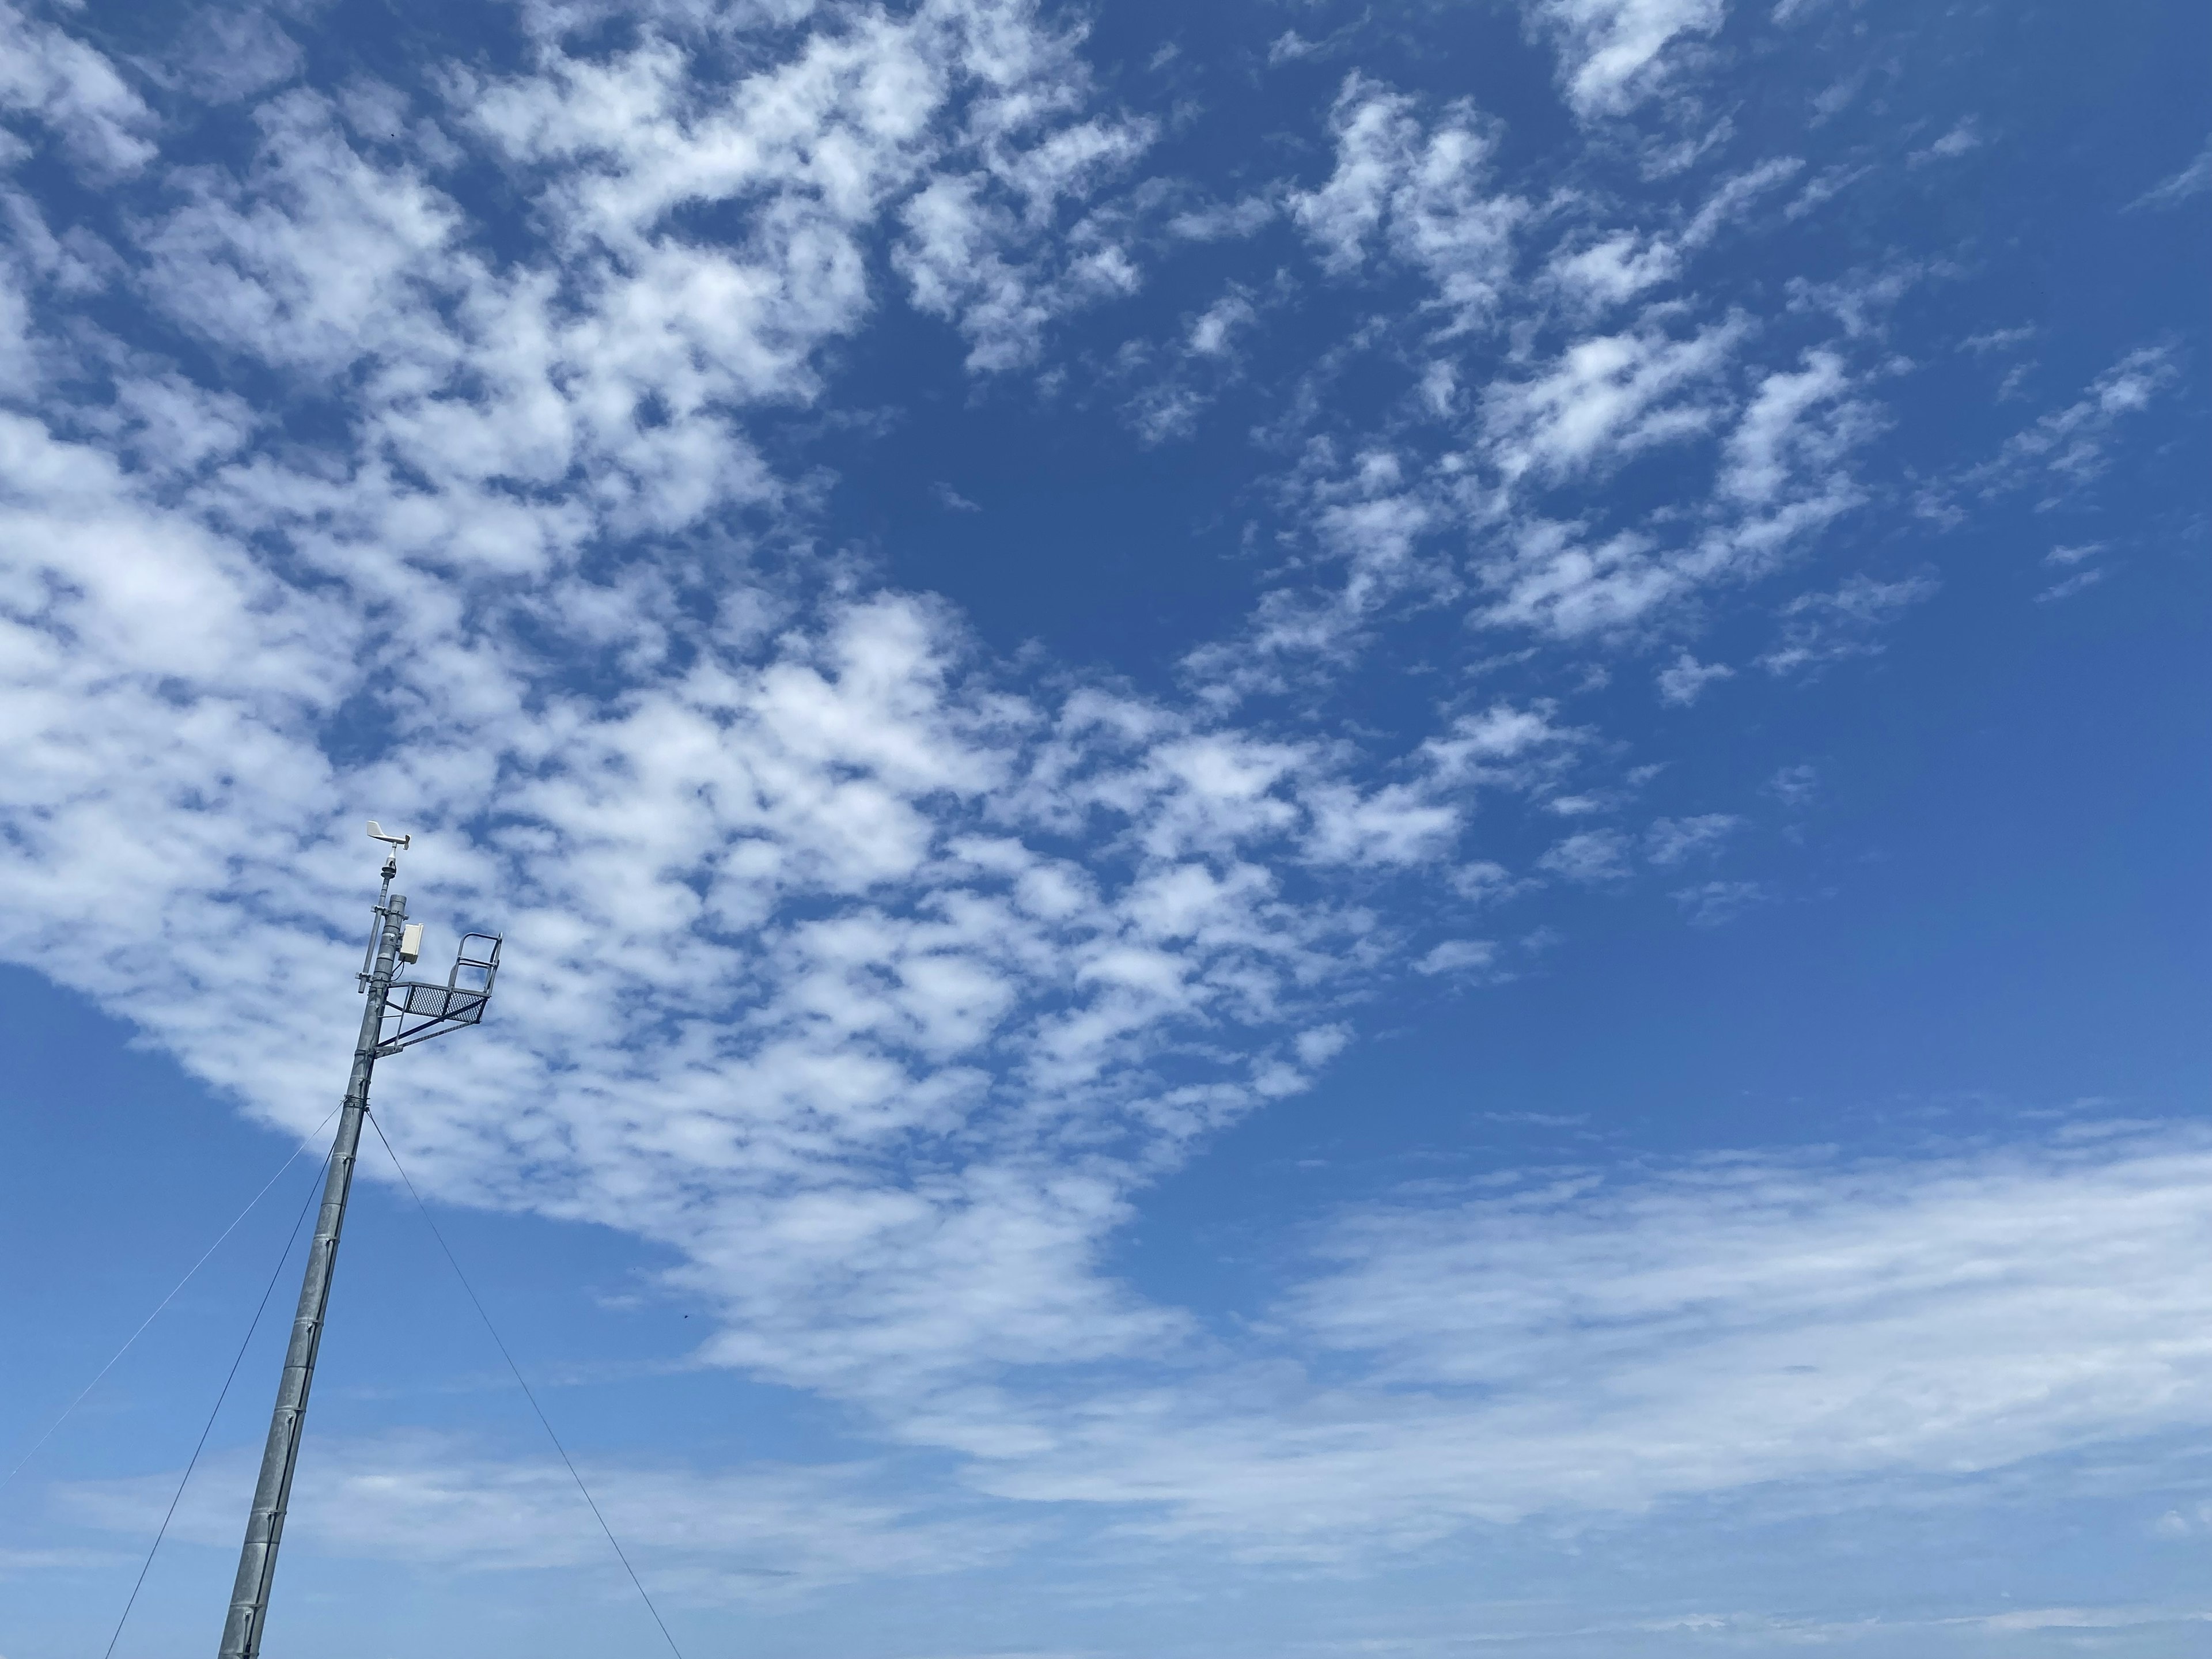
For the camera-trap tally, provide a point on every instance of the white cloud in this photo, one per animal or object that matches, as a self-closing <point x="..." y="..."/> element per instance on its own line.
<point x="1458" y="956"/>
<point x="1604" y="399"/>
<point x="696" y="1536"/>
<point x="2071" y="585"/>
<point x="1177" y="383"/>
<point x="1784" y="475"/>
<point x="1212" y="334"/>
<point x="1224" y="220"/>
<point x="1165" y="412"/>
<point x="1419" y="193"/>
<point x="321" y="260"/>
<point x="1578" y="1343"/>
<point x="1715" y="903"/>
<point x="2067" y="448"/>
<point x="874" y="979"/>
<point x="1824" y="627"/>
<point x="1398" y="824"/>
<point x="1591" y="857"/>
<point x="237" y="54"/>
<point x="1482" y="882"/>
<point x="1684" y="680"/>
<point x="1734" y="194"/>
<point x="1563" y="1343"/>
<point x="2192" y="180"/>
<point x="1614" y="269"/>
<point x="1774" y="437"/>
<point x="977" y="109"/>
<point x="1369" y="520"/>
<point x="1863" y="300"/>
<point x="2076" y="558"/>
<point x="1555" y="582"/>
<point x="1373" y="130"/>
<point x="1505" y="746"/>
<point x="1960" y="140"/>
<point x="1612" y="52"/>
<point x="1794" y="786"/>
<point x="49" y="74"/>
<point x="1523" y="441"/>
<point x="845" y="757"/>
<point x="951" y="256"/>
<point x="2181" y="1523"/>
<point x="779" y="894"/>
<point x="1671" y="841"/>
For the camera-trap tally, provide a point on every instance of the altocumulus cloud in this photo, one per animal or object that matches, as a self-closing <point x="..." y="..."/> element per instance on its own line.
<point x="875" y="977"/>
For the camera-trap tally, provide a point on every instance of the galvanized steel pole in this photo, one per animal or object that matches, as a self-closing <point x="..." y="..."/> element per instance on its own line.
<point x="272" y="1495"/>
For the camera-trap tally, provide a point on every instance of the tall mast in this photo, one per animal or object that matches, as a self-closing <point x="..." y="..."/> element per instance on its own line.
<point x="420" y="1011"/>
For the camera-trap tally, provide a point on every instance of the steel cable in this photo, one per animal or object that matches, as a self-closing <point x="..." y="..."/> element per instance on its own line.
<point x="207" y="1428"/>
<point x="543" y="1422"/>
<point x="166" y="1301"/>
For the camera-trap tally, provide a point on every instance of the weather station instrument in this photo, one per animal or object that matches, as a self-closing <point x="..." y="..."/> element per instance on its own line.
<point x="398" y="1014"/>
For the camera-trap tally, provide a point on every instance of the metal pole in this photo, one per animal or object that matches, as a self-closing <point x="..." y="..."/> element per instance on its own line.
<point x="272" y="1494"/>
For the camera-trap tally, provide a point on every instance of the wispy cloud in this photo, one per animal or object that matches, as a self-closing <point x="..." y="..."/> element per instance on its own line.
<point x="1587" y="1342"/>
<point x="701" y="1536"/>
<point x="1458" y="956"/>
<point x="1612" y="52"/>
<point x="1684" y="680"/>
<point x="1818" y="629"/>
<point x="1675" y="840"/>
<point x="1591" y="856"/>
<point x="2192" y="180"/>
<point x="2067" y="448"/>
<point x="1716" y="903"/>
<point x="1961" y="139"/>
<point x="1794" y="786"/>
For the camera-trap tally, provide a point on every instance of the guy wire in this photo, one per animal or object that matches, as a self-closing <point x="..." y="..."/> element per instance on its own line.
<point x="305" y="1143"/>
<point x="620" y="1554"/>
<point x="207" y="1427"/>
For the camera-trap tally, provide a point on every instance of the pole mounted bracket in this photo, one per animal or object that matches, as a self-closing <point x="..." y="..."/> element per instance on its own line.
<point x="416" y="1010"/>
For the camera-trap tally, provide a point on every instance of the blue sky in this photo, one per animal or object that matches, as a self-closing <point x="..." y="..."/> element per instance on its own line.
<point x="1322" y="829"/>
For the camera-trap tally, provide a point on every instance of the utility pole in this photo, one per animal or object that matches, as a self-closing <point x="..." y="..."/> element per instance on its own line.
<point x="396" y="1016"/>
